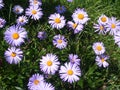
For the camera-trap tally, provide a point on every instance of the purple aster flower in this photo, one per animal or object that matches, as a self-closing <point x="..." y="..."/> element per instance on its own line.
<point x="42" y="35"/>
<point x="2" y="22"/>
<point x="59" y="41"/>
<point x="101" y="61"/>
<point x="60" y="9"/>
<point x="74" y="59"/>
<point x="17" y="9"/>
<point x="22" y="20"/>
<point x="70" y="0"/>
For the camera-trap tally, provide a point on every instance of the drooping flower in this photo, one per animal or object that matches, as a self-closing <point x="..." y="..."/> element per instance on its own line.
<point x="49" y="64"/>
<point x="76" y="27"/>
<point x="22" y="20"/>
<point x="70" y="73"/>
<point x="2" y="22"/>
<point x="74" y="59"/>
<point x="113" y="26"/>
<point x="98" y="48"/>
<point x="57" y="21"/>
<point x="101" y="61"/>
<point x="60" y="9"/>
<point x="59" y="41"/>
<point x="13" y="55"/>
<point x="35" y="82"/>
<point x="34" y="12"/>
<point x="17" y="9"/>
<point x="80" y="16"/>
<point x="15" y="35"/>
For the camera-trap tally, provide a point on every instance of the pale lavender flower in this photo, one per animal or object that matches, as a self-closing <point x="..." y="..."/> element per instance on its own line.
<point x="13" y="55"/>
<point x="101" y="61"/>
<point x="70" y="73"/>
<point x="74" y="59"/>
<point x="103" y="19"/>
<point x="17" y="9"/>
<point x="113" y="26"/>
<point x="15" y="35"/>
<point x="70" y="0"/>
<point x="59" y="41"/>
<point x="47" y="86"/>
<point x="60" y="9"/>
<point x="22" y="20"/>
<point x="117" y="38"/>
<point x="35" y="2"/>
<point x="42" y="35"/>
<point x="2" y="22"/>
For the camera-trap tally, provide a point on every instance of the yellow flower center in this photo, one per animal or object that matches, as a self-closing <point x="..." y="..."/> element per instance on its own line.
<point x="102" y="59"/>
<point x="113" y="25"/>
<point x="36" y="82"/>
<point x="49" y="63"/>
<point x="74" y="25"/>
<point x="59" y="41"/>
<point x="101" y="27"/>
<point x="13" y="54"/>
<point x="15" y="35"/>
<point x="70" y="72"/>
<point x="35" y="1"/>
<point x="80" y="16"/>
<point x="34" y="12"/>
<point x="57" y="20"/>
<point x="103" y="19"/>
<point x="99" y="48"/>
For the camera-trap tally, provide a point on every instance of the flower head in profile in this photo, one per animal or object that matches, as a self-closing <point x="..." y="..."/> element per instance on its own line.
<point x="22" y="20"/>
<point x="101" y="61"/>
<point x="35" y="2"/>
<point x="80" y="16"/>
<point x="2" y="22"/>
<point x="117" y="38"/>
<point x="49" y="64"/>
<point x="34" y="12"/>
<point x="1" y="4"/>
<point x="98" y="48"/>
<point x="70" y="73"/>
<point x="17" y="9"/>
<point x="35" y="82"/>
<point x="113" y="26"/>
<point x="100" y="28"/>
<point x="60" y="9"/>
<point x="42" y="35"/>
<point x="13" y="55"/>
<point x="59" y="41"/>
<point x="57" y="21"/>
<point x="74" y="59"/>
<point x="15" y="35"/>
<point x="76" y="27"/>
<point x="103" y="19"/>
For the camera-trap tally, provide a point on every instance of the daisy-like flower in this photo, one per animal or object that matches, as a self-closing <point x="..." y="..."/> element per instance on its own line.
<point x="70" y="73"/>
<point x="35" y="2"/>
<point x="49" y="64"/>
<point x="70" y="0"/>
<point x="103" y="19"/>
<point x="22" y="20"/>
<point x="15" y="35"/>
<point x="76" y="27"/>
<point x="42" y="35"/>
<point x="17" y="9"/>
<point x="80" y="16"/>
<point x="113" y="25"/>
<point x="74" y="59"/>
<point x="1" y="4"/>
<point x="13" y="55"/>
<point x="34" y="12"/>
<point x="46" y="86"/>
<point x="60" y="9"/>
<point x="101" y="61"/>
<point x="35" y="82"/>
<point x="2" y="22"/>
<point x="117" y="38"/>
<point x="57" y="21"/>
<point x="100" y="28"/>
<point x="98" y="48"/>
<point x="59" y="41"/>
